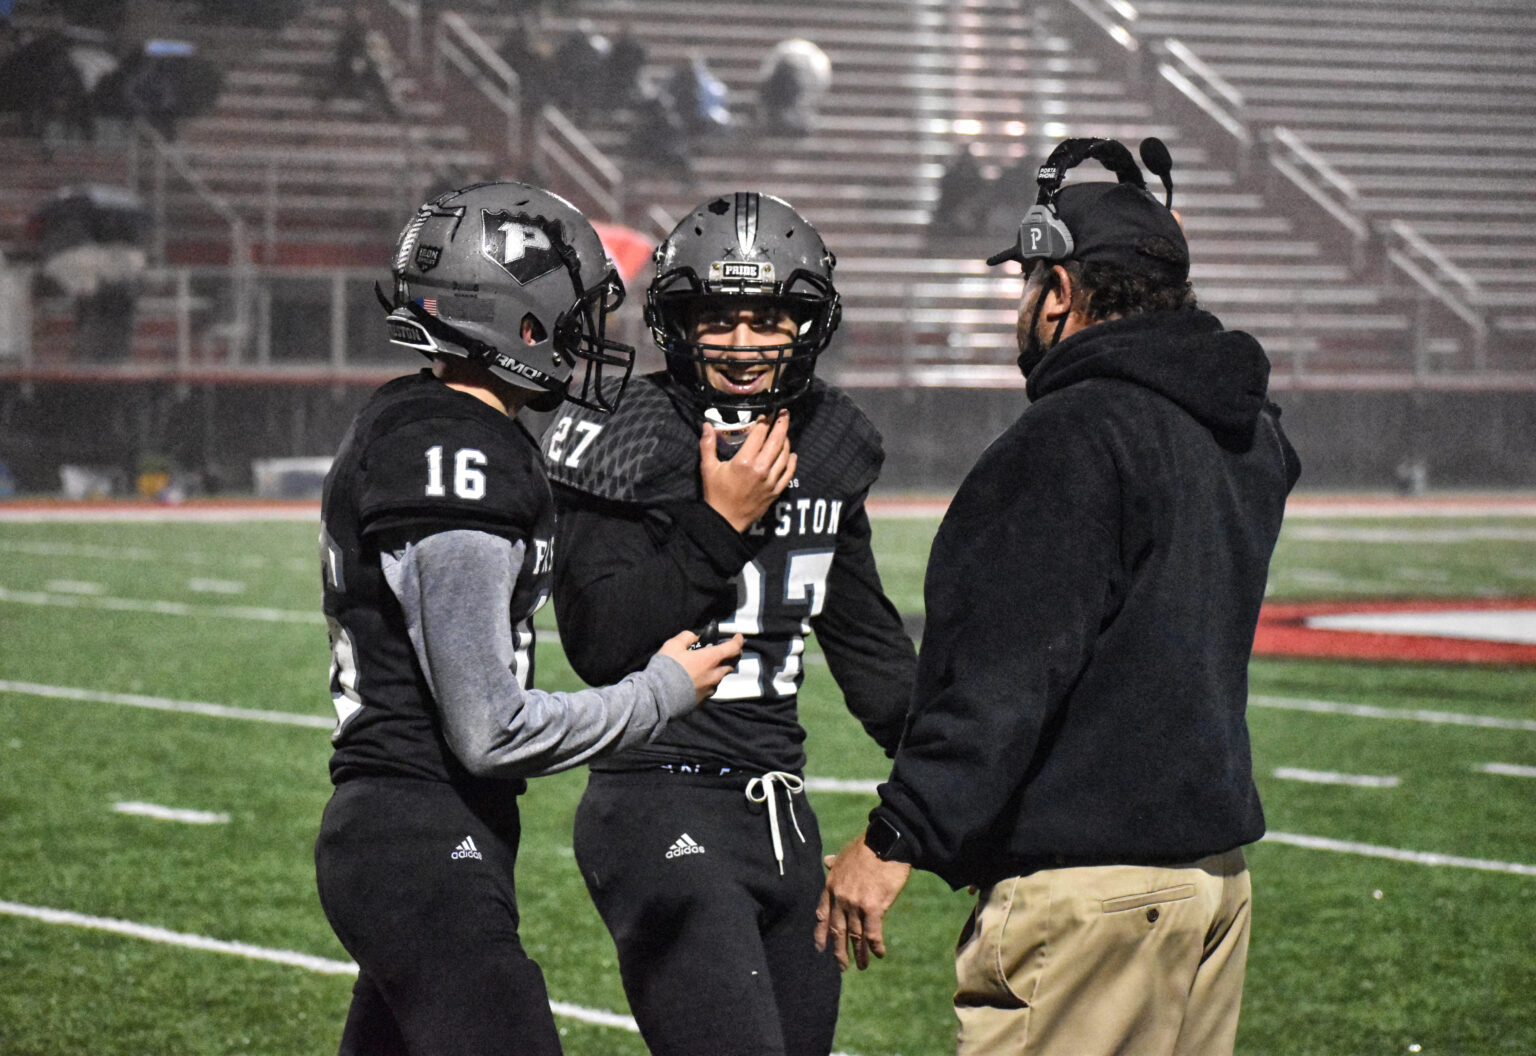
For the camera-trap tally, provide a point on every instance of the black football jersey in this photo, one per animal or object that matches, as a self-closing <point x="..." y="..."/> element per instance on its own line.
<point x="419" y="458"/>
<point x="647" y="455"/>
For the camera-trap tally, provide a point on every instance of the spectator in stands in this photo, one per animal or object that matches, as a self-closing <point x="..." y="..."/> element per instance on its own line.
<point x="364" y="66"/>
<point x="580" y="64"/>
<point x="161" y="82"/>
<point x="659" y="138"/>
<point x="793" y="78"/>
<point x="698" y="97"/>
<point x="530" y="59"/>
<point x="965" y="195"/>
<point x="621" y="78"/>
<point x="39" y="80"/>
<point x="92" y="244"/>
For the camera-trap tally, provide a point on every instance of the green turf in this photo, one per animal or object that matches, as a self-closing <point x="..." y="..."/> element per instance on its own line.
<point x="1440" y="958"/>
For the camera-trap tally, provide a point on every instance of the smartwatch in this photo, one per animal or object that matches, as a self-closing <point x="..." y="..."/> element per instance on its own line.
<point x="883" y="838"/>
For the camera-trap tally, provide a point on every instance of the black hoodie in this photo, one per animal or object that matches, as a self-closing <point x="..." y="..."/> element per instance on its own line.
<point x="1091" y="600"/>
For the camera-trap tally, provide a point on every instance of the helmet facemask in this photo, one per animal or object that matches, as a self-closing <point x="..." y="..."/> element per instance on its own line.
<point x="736" y="252"/>
<point x="581" y="333"/>
<point x="679" y="300"/>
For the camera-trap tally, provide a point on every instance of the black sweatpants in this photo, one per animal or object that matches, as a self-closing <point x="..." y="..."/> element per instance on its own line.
<point x="715" y="947"/>
<point x="419" y="889"/>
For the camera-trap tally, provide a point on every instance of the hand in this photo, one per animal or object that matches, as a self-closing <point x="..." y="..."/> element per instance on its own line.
<point x="705" y="664"/>
<point x="860" y="888"/>
<point x="742" y="488"/>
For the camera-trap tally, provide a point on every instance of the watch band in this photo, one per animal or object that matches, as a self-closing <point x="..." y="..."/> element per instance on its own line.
<point x="882" y="837"/>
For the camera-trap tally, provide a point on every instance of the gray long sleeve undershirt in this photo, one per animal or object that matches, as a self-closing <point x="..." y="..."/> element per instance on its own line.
<point x="455" y="589"/>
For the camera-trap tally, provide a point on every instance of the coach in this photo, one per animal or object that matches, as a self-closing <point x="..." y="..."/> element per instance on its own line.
<point x="1077" y="749"/>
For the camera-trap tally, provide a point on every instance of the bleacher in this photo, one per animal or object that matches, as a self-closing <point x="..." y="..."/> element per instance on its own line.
<point x="914" y="81"/>
<point x="1422" y="123"/>
<point x="1422" y="129"/>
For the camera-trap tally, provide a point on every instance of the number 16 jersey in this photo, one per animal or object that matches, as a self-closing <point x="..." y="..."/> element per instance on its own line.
<point x="420" y="458"/>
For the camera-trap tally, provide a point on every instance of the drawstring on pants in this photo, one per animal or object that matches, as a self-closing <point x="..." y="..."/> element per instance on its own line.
<point x="760" y="790"/>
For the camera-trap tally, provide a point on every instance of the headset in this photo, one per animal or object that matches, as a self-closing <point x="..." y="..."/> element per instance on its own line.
<point x="1042" y="234"/>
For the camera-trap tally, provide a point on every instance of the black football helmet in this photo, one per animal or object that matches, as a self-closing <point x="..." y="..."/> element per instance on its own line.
<point x="745" y="250"/>
<point x="515" y="279"/>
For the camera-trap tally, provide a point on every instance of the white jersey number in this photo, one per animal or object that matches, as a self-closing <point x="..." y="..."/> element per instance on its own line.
<point x="756" y="675"/>
<point x="468" y="481"/>
<point x="586" y="433"/>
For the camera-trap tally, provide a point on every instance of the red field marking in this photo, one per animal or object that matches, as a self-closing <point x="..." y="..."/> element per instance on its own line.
<point x="1283" y="631"/>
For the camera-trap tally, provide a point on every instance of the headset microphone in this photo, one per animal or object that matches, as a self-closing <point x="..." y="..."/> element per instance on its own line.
<point x="1155" y="156"/>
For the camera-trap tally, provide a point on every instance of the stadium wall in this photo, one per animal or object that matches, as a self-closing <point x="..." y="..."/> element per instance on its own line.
<point x="1347" y="439"/>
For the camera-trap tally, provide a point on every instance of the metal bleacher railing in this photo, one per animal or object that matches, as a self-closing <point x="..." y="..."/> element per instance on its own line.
<point x="1328" y="124"/>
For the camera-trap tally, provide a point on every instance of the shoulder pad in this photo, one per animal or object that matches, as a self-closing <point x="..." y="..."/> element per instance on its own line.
<point x="439" y="463"/>
<point x="645" y="453"/>
<point x="837" y="442"/>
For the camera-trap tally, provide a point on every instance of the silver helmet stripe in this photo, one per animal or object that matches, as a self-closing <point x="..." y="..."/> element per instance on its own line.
<point x="746" y="220"/>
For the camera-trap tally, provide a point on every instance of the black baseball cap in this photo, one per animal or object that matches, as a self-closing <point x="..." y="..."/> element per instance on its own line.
<point x="1116" y="223"/>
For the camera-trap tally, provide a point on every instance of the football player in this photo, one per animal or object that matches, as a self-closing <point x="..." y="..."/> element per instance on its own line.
<point x="727" y="495"/>
<point x="436" y="544"/>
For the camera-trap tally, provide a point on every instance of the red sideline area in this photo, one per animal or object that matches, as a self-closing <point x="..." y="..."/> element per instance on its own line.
<point x="1283" y="631"/>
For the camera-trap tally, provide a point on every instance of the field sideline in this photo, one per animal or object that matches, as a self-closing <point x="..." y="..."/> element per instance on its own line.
<point x="162" y="709"/>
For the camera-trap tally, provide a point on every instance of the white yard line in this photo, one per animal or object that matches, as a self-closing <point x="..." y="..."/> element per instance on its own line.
<point x="150" y="933"/>
<point x="1508" y="770"/>
<point x="1491" y="625"/>
<point x="23" y="513"/>
<point x="159" y="813"/>
<point x="138" y="700"/>
<point x="1397" y="854"/>
<point x="309" y="962"/>
<point x="73" y="586"/>
<point x="838" y="784"/>
<point x="1332" y="777"/>
<point x="1339" y="534"/>
<point x="159" y="608"/>
<point x="1370" y="711"/>
<point x="215" y="586"/>
<point x="96" y="552"/>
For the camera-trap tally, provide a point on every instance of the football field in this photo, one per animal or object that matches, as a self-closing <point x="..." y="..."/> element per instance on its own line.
<point x="163" y="747"/>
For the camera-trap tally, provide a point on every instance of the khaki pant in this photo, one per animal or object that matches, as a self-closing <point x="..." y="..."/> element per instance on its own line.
<point x="1104" y="960"/>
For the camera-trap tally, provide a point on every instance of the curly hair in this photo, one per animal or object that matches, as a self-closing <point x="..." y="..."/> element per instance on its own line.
<point x="1106" y="291"/>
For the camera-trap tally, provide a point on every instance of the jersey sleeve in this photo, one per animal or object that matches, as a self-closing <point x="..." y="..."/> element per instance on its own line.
<point x="868" y="650"/>
<point x="454" y="589"/>
<point x="449" y="473"/>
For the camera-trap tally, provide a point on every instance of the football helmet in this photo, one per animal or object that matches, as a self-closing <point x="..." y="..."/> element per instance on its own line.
<point x="515" y="279"/>
<point x="742" y="251"/>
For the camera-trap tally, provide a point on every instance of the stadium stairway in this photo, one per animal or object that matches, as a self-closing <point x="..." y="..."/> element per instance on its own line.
<point x="318" y="183"/>
<point x="912" y="83"/>
<point x="1418" y="122"/>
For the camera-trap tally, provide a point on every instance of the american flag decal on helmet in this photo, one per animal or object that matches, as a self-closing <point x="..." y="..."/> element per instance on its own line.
<point x="429" y="305"/>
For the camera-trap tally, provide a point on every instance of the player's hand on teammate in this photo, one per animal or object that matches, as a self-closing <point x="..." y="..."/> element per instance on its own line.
<point x="705" y="664"/>
<point x="741" y="488"/>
